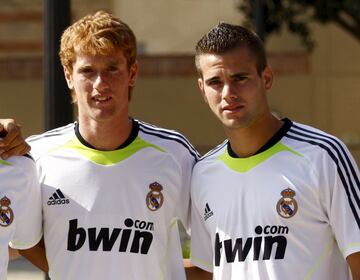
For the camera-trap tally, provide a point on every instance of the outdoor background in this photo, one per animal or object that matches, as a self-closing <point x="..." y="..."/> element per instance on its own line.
<point x="321" y="88"/>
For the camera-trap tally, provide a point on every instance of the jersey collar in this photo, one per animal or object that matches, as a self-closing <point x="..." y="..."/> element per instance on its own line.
<point x="272" y="141"/>
<point x="133" y="134"/>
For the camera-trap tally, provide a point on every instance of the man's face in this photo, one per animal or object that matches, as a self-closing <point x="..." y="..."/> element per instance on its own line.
<point x="233" y="89"/>
<point x="100" y="85"/>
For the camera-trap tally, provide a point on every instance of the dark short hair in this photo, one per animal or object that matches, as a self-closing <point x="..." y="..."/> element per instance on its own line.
<point x="226" y="37"/>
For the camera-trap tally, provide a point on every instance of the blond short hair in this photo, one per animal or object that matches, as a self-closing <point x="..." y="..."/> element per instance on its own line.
<point x="98" y="33"/>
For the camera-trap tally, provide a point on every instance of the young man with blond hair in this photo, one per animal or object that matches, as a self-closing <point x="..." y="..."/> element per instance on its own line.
<point x="113" y="187"/>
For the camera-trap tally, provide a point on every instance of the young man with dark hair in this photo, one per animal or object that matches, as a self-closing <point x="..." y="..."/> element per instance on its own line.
<point x="277" y="199"/>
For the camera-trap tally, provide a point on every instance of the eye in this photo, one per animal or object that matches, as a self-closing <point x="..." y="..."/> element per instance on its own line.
<point x="240" y="78"/>
<point x="113" y="68"/>
<point x="86" y="70"/>
<point x="213" y="82"/>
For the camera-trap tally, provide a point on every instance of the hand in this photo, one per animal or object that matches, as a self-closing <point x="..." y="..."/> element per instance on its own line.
<point x="12" y="143"/>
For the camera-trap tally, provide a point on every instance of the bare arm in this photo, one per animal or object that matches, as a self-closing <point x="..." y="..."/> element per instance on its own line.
<point x="13" y="254"/>
<point x="195" y="273"/>
<point x="354" y="263"/>
<point x="12" y="144"/>
<point x="36" y="255"/>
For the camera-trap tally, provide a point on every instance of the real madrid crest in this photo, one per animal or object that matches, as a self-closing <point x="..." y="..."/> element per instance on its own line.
<point x="6" y="213"/>
<point x="154" y="198"/>
<point x="287" y="205"/>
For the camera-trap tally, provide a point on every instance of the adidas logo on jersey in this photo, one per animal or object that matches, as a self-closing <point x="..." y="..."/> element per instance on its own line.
<point x="208" y="213"/>
<point x="58" y="198"/>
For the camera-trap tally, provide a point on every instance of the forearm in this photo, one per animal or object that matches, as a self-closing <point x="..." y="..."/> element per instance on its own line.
<point x="354" y="263"/>
<point x="195" y="273"/>
<point x="36" y="255"/>
<point x="13" y="254"/>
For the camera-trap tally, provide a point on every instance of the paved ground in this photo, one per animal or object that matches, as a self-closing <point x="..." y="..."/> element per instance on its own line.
<point x="21" y="269"/>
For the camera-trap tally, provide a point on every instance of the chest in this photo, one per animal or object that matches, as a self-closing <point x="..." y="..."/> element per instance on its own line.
<point x="262" y="199"/>
<point x="11" y="210"/>
<point x="135" y="188"/>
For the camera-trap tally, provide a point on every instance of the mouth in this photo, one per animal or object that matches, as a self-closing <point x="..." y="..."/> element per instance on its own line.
<point x="101" y="99"/>
<point x="233" y="108"/>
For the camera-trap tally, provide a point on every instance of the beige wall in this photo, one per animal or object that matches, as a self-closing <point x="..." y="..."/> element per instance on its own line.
<point x="336" y="76"/>
<point x="24" y="102"/>
<point x="177" y="104"/>
<point x="174" y="26"/>
<point x="326" y="95"/>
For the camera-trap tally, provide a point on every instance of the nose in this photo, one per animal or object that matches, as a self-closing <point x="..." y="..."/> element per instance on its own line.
<point x="100" y="82"/>
<point x="229" y="92"/>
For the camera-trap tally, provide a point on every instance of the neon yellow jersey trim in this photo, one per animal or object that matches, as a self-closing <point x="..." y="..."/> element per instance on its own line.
<point x="165" y="267"/>
<point x="107" y="157"/>
<point x="351" y="245"/>
<point x="317" y="264"/>
<point x="245" y="164"/>
<point x="3" y="162"/>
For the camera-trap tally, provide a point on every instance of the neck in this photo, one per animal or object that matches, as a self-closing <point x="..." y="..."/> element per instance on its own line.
<point x="247" y="141"/>
<point x="105" y="136"/>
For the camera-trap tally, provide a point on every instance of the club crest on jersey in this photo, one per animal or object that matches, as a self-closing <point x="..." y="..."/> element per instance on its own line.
<point x="287" y="205"/>
<point x="154" y="198"/>
<point x="6" y="213"/>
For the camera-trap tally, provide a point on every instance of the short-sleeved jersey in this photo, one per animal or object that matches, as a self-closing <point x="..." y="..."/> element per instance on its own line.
<point x="291" y="211"/>
<point x="113" y="214"/>
<point x="20" y="207"/>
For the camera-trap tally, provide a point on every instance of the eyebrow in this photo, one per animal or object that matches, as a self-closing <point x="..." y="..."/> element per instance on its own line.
<point x="85" y="66"/>
<point x="235" y="75"/>
<point x="240" y="74"/>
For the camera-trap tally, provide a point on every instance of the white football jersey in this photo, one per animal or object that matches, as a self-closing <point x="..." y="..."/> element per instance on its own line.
<point x="113" y="214"/>
<point x="289" y="212"/>
<point x="20" y="207"/>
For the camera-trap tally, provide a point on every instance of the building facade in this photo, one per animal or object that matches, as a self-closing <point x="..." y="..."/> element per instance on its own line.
<point x="319" y="88"/>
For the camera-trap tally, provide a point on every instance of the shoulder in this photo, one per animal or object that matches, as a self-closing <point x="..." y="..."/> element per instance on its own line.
<point x="210" y="159"/>
<point x="317" y="140"/>
<point x="18" y="168"/>
<point x="214" y="153"/>
<point x="321" y="149"/>
<point x="18" y="162"/>
<point x="51" y="139"/>
<point x="170" y="140"/>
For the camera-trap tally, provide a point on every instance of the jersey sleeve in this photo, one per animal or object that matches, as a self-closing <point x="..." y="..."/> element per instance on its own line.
<point x="201" y="248"/>
<point x="183" y="204"/>
<point x="341" y="197"/>
<point x="28" y="231"/>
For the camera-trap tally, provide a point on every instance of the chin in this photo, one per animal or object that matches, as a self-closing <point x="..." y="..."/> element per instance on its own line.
<point x="235" y="124"/>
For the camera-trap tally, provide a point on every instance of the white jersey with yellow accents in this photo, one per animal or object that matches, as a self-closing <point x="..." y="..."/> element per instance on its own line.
<point x="289" y="212"/>
<point x="20" y="207"/>
<point x="113" y="214"/>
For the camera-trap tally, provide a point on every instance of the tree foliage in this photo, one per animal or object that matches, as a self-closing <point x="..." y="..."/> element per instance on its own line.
<point x="297" y="14"/>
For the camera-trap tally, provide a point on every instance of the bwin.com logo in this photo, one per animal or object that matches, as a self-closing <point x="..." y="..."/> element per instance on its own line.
<point x="269" y="237"/>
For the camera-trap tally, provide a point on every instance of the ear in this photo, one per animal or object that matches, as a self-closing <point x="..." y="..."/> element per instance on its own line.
<point x="68" y="77"/>
<point x="133" y="74"/>
<point x="202" y="90"/>
<point x="268" y="77"/>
